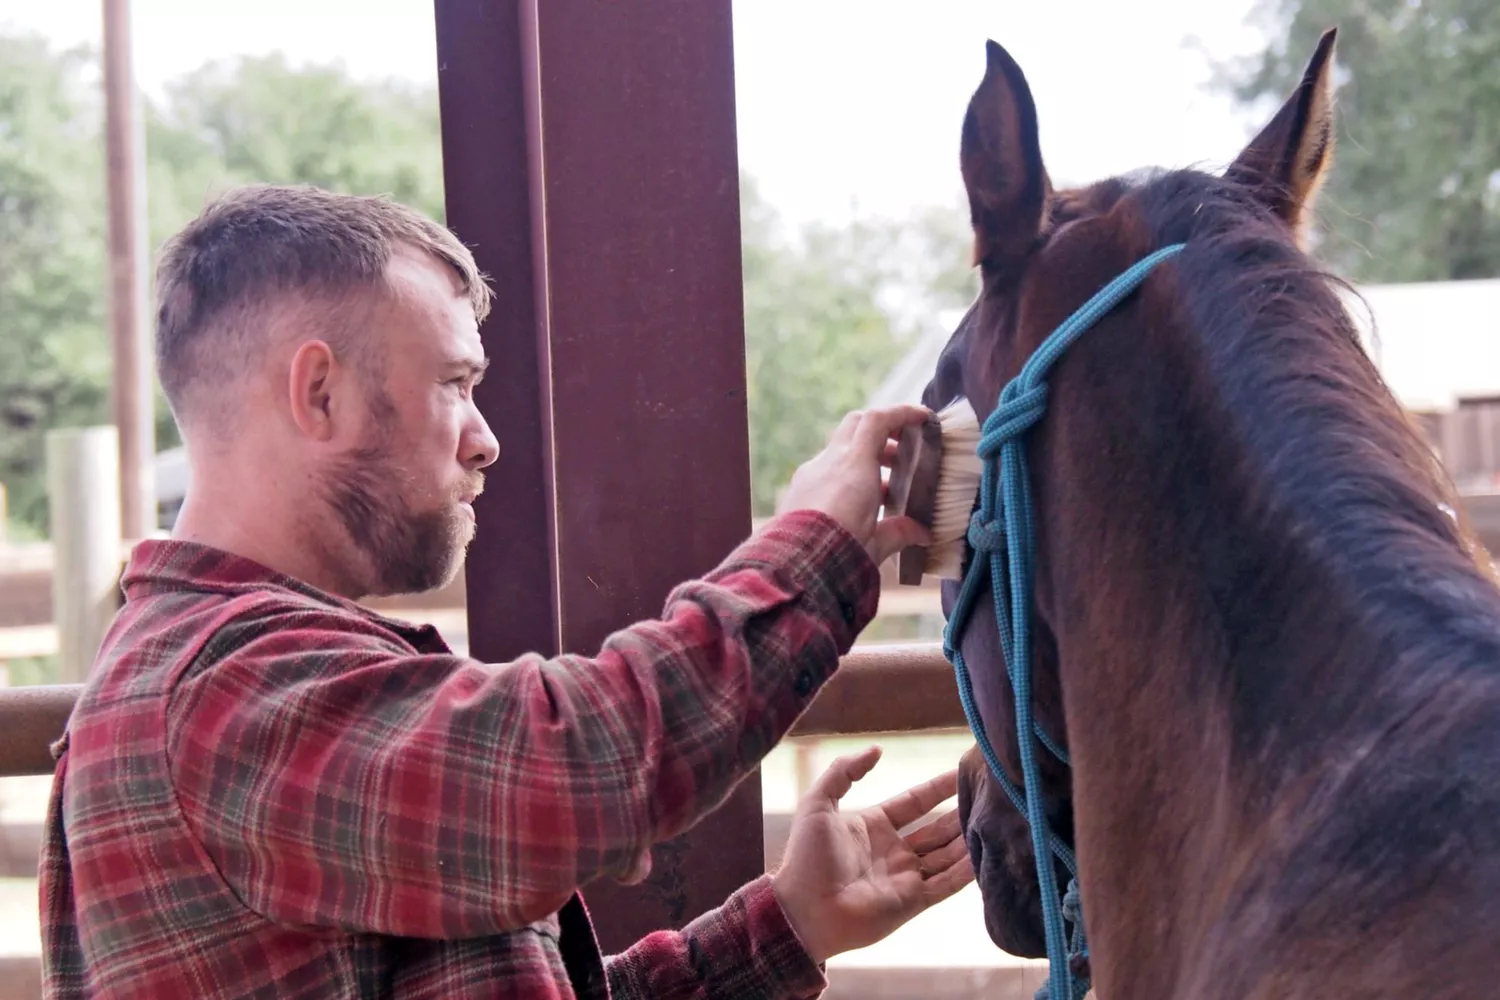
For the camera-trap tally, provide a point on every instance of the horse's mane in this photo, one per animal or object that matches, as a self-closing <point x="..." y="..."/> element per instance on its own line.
<point x="1337" y="466"/>
<point x="1347" y="461"/>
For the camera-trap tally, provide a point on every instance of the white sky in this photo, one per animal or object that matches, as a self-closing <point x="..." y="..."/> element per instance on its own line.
<point x="841" y="103"/>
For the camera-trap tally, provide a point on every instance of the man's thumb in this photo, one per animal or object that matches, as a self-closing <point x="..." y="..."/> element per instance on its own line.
<point x="841" y="775"/>
<point x="892" y="534"/>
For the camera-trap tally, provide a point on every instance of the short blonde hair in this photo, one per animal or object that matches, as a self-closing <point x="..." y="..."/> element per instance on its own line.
<point x="257" y="247"/>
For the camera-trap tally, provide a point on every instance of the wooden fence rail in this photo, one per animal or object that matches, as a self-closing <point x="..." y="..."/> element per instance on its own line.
<point x="878" y="689"/>
<point x="31" y="718"/>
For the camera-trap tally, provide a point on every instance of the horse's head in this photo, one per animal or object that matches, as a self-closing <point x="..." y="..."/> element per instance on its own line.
<point x="1041" y="253"/>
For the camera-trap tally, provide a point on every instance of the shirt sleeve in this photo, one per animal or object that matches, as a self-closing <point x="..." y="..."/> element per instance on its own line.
<point x="744" y="949"/>
<point x="339" y="779"/>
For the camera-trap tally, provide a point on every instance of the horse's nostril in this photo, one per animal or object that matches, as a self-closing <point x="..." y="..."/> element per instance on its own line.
<point x="976" y="849"/>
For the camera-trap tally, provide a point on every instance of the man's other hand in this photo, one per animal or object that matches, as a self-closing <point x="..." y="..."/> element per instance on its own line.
<point x="847" y="880"/>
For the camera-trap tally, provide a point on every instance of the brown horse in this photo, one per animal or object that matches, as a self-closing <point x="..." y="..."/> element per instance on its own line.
<point x="1269" y="645"/>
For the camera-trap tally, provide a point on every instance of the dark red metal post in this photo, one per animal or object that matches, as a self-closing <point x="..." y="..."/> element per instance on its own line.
<point x="129" y="265"/>
<point x="646" y="332"/>
<point x="591" y="162"/>
<point x="487" y="184"/>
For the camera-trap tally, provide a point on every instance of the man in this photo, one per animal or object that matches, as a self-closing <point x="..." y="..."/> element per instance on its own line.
<point x="267" y="790"/>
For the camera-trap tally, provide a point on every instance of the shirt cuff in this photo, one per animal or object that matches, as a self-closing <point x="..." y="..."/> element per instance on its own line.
<point x="751" y="924"/>
<point x="825" y="564"/>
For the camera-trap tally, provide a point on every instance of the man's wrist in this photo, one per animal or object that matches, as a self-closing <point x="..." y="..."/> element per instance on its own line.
<point x="796" y="909"/>
<point x="827" y="564"/>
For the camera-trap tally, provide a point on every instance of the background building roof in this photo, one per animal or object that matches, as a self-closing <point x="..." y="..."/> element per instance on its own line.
<point x="1434" y="343"/>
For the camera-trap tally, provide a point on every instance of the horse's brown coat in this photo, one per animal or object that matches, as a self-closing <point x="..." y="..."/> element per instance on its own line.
<point x="1273" y="655"/>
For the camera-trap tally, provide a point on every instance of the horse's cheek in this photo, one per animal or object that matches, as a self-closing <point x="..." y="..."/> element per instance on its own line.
<point x="993" y="698"/>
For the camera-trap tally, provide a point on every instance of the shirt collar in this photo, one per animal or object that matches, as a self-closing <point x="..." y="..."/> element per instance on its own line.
<point x="160" y="565"/>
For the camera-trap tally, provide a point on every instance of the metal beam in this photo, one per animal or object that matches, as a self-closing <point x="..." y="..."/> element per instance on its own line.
<point x="645" y="332"/>
<point x="125" y="187"/>
<point x="487" y="178"/>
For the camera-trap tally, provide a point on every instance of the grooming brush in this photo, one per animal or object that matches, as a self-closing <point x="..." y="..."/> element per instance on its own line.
<point x="934" y="481"/>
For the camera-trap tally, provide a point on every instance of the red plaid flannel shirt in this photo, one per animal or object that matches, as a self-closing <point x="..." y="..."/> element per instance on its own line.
<point x="267" y="791"/>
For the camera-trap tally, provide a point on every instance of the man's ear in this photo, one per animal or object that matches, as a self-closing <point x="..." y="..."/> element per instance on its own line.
<point x="1286" y="163"/>
<point x="310" y="378"/>
<point x="1001" y="160"/>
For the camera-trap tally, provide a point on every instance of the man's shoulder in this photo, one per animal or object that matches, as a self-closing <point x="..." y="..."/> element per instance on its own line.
<point x="174" y="631"/>
<point x="271" y="623"/>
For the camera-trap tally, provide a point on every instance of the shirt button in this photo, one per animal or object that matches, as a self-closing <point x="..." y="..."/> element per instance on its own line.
<point x="804" y="684"/>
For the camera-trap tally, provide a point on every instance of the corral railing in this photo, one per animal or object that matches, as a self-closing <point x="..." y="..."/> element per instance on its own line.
<point x="880" y="689"/>
<point x="877" y="689"/>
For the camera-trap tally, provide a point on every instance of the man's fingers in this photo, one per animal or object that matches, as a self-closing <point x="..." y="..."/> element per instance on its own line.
<point x="914" y="803"/>
<point x="879" y="425"/>
<point x="935" y="834"/>
<point x="846" y="427"/>
<point x="946" y="879"/>
<point x="834" y="783"/>
<point x="892" y="534"/>
<point x="888" y="457"/>
<point x="945" y="856"/>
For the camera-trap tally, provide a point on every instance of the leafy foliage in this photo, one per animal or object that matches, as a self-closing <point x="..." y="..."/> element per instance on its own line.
<point x="820" y="335"/>
<point x="824" y="311"/>
<point x="1415" y="189"/>
<point x="54" y="355"/>
<point x="259" y="120"/>
<point x="251" y="120"/>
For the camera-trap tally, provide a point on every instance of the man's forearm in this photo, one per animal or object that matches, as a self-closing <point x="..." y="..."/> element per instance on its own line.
<point x="490" y="793"/>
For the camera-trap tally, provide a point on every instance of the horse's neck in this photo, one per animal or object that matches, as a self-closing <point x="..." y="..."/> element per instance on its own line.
<point x="1229" y="694"/>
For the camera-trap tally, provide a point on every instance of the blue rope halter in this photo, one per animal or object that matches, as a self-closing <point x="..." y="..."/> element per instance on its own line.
<point x="1003" y="529"/>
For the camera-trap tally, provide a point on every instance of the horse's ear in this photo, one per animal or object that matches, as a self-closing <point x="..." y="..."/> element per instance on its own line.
<point x="1285" y="164"/>
<point x="1002" y="167"/>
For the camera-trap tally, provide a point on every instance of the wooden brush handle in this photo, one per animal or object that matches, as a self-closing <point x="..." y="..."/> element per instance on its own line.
<point x="913" y="489"/>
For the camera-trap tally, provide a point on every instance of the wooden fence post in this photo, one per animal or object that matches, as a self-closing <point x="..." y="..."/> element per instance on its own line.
<point x="83" y="489"/>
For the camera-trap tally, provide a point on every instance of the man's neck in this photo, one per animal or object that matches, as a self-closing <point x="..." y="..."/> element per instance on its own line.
<point x="256" y="527"/>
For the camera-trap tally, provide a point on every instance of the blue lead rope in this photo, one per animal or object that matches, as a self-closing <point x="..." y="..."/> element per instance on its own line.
<point x="1003" y="536"/>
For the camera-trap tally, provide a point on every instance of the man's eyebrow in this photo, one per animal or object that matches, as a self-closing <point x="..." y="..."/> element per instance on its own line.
<point x="468" y="366"/>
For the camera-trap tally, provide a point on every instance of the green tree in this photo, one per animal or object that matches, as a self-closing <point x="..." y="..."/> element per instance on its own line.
<point x="824" y="321"/>
<point x="248" y="120"/>
<point x="54" y="353"/>
<point x="1415" y="188"/>
<point x="828" y="309"/>
<point x="261" y="120"/>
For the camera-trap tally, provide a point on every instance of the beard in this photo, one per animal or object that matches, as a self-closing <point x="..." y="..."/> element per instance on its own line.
<point x="407" y="551"/>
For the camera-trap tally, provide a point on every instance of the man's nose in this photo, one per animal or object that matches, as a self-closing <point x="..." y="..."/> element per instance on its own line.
<point x="480" y="448"/>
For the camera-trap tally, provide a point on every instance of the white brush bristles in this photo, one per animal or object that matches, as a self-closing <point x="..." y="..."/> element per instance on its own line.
<point x="959" y="473"/>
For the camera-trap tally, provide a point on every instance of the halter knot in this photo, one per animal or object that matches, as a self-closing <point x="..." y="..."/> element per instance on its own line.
<point x="986" y="536"/>
<point x="1019" y="408"/>
<point x="1078" y="950"/>
<point x="1072" y="904"/>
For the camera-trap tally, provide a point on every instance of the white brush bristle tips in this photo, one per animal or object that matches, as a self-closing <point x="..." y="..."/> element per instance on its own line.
<point x="959" y="473"/>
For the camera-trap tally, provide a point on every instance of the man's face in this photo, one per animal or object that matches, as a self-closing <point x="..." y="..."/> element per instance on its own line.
<point x="403" y="491"/>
